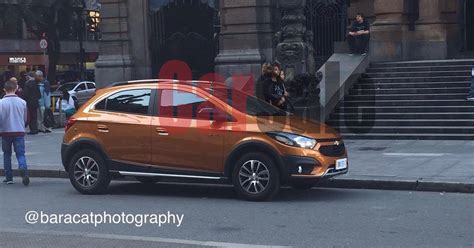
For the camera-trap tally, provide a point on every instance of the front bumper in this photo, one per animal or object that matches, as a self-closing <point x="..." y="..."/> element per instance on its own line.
<point x="311" y="168"/>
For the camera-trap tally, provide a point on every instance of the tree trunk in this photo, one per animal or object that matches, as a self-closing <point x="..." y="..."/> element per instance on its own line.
<point x="54" y="46"/>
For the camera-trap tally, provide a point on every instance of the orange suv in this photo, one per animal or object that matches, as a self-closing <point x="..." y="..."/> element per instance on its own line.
<point x="157" y="129"/>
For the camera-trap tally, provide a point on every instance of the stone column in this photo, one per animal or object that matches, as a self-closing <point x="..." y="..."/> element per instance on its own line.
<point x="115" y="62"/>
<point x="246" y="37"/>
<point x="429" y="11"/>
<point x="295" y="50"/>
<point x="429" y="40"/>
<point x="387" y="31"/>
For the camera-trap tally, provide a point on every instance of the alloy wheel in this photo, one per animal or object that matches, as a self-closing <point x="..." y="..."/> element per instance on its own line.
<point x="86" y="172"/>
<point x="254" y="176"/>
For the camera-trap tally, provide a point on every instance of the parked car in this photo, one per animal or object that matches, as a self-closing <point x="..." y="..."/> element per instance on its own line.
<point x="80" y="91"/>
<point x="152" y="130"/>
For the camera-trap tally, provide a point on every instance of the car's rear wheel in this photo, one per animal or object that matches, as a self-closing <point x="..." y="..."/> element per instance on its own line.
<point x="88" y="172"/>
<point x="256" y="177"/>
<point x="148" y="180"/>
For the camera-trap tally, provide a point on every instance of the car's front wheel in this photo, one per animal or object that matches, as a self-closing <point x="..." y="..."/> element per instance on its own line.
<point x="88" y="172"/>
<point x="256" y="177"/>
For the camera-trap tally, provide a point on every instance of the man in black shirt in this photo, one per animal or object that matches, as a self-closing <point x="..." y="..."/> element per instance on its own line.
<point x="358" y="37"/>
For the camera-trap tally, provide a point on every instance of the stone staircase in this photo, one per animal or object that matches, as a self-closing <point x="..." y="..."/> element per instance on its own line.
<point x="409" y="100"/>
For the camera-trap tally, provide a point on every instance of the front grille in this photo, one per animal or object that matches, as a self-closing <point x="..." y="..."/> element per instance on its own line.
<point x="333" y="150"/>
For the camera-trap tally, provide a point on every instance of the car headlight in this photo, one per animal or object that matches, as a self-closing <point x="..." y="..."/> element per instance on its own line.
<point x="293" y="140"/>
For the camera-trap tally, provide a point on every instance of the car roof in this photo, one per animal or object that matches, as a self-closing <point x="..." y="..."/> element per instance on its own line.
<point x="154" y="82"/>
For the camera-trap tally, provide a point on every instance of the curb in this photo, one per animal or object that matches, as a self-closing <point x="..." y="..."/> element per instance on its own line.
<point x="409" y="185"/>
<point x="344" y="183"/>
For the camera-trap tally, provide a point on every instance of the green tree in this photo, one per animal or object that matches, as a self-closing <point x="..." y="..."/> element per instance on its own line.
<point x="53" y="20"/>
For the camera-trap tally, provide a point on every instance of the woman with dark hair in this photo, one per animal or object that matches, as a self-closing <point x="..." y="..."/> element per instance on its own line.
<point x="67" y="104"/>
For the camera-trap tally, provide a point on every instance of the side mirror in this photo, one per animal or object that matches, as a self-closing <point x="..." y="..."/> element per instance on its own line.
<point x="217" y="114"/>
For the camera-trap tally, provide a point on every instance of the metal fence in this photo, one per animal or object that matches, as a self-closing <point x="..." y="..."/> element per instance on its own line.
<point x="328" y="21"/>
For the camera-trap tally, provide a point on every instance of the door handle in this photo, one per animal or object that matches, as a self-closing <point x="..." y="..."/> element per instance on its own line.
<point x="161" y="131"/>
<point x="103" y="128"/>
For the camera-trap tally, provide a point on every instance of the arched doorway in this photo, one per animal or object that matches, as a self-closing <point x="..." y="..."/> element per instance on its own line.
<point x="185" y="30"/>
<point x="469" y="22"/>
<point x="327" y="19"/>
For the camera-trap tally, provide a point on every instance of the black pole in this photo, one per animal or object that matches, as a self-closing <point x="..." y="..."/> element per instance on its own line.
<point x="81" y="41"/>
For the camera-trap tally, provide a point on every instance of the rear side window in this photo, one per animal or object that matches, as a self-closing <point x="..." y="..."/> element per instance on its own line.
<point x="90" y="86"/>
<point x="81" y="87"/>
<point x="129" y="101"/>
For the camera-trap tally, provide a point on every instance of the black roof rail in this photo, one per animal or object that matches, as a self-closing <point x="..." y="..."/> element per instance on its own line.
<point x="148" y="81"/>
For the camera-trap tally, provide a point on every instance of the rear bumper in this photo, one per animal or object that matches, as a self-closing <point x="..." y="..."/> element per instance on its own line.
<point x="64" y="155"/>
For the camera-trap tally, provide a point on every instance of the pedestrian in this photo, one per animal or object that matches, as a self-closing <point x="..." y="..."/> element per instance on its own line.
<point x="267" y="71"/>
<point x="67" y="104"/>
<point x="470" y="97"/>
<point x="31" y="95"/>
<point x="275" y="92"/>
<point x="359" y="35"/>
<point x="21" y="84"/>
<point x="44" y="101"/>
<point x="13" y="114"/>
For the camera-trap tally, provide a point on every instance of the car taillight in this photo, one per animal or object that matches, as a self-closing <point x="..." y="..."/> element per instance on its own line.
<point x="69" y="123"/>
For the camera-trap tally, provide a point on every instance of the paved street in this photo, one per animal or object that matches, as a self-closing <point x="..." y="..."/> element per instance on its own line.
<point x="391" y="160"/>
<point x="315" y="218"/>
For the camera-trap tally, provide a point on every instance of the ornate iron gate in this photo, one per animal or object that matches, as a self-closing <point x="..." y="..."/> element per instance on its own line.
<point x="185" y="30"/>
<point x="327" y="20"/>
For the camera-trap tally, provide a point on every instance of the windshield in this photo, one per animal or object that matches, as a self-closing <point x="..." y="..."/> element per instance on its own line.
<point x="245" y="103"/>
<point x="68" y="87"/>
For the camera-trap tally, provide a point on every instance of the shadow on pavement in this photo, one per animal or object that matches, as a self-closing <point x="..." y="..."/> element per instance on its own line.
<point x="227" y="192"/>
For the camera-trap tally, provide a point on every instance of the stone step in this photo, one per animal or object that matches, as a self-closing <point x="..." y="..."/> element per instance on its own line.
<point x="404" y="109"/>
<point x="451" y="90"/>
<point x="418" y="85"/>
<point x="403" y="103"/>
<point x="398" y="122"/>
<point x="407" y="130"/>
<point x="420" y="68"/>
<point x="458" y="96"/>
<point x="466" y="73"/>
<point x="449" y="62"/>
<point x="414" y="136"/>
<point x="415" y="79"/>
<point x="371" y="115"/>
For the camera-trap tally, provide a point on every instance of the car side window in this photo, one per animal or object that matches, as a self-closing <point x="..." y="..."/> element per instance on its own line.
<point x="129" y="101"/>
<point x="81" y="87"/>
<point x="181" y="104"/>
<point x="90" y="86"/>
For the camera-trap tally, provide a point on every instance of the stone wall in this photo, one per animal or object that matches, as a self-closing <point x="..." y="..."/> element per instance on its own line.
<point x="246" y="38"/>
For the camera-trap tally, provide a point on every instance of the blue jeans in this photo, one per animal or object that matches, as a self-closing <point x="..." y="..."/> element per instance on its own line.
<point x="471" y="93"/>
<point x="19" y="146"/>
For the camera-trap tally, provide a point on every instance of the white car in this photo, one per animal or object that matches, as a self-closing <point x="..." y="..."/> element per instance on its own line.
<point x="82" y="91"/>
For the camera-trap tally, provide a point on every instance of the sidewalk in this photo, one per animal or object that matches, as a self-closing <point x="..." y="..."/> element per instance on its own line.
<point x="424" y="165"/>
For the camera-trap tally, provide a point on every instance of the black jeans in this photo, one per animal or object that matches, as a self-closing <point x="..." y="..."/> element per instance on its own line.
<point x="33" y="119"/>
<point x="358" y="44"/>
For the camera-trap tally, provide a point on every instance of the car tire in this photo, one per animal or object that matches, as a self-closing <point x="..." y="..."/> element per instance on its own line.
<point x="302" y="185"/>
<point x="148" y="180"/>
<point x="88" y="172"/>
<point x="257" y="182"/>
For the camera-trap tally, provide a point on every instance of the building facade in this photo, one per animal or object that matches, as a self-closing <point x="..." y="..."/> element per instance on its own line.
<point x="234" y="37"/>
<point x="21" y="51"/>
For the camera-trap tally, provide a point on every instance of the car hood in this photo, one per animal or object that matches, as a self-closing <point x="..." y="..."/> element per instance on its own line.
<point x="297" y="125"/>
